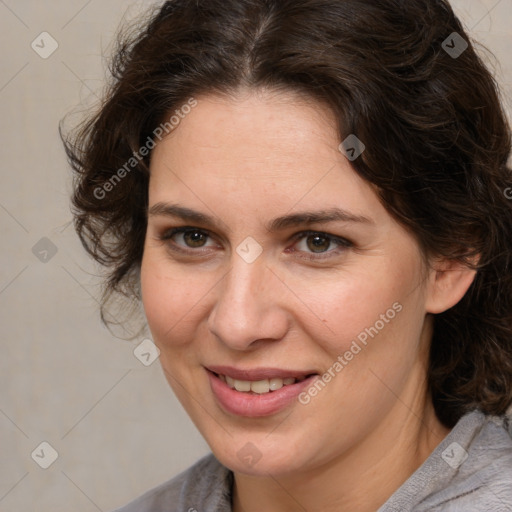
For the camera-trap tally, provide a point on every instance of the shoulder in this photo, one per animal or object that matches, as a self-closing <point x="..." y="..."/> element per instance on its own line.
<point x="480" y="475"/>
<point x="470" y="471"/>
<point x="206" y="485"/>
<point x="489" y="465"/>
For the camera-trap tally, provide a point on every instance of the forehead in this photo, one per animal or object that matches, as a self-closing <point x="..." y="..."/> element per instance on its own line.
<point x="263" y="129"/>
<point x="258" y="149"/>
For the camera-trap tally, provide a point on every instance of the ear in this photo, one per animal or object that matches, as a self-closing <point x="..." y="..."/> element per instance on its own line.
<point x="448" y="282"/>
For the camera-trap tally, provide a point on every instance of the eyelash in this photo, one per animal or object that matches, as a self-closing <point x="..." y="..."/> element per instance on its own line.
<point x="341" y="242"/>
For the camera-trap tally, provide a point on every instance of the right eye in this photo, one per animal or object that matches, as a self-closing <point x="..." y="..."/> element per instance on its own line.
<point x="190" y="238"/>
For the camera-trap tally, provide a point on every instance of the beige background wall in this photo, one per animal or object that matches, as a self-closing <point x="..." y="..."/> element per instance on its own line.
<point x="64" y="379"/>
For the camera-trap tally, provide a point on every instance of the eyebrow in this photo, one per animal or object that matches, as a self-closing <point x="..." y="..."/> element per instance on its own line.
<point x="275" y="225"/>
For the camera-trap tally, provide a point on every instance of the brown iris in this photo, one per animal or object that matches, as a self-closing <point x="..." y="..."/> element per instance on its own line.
<point x="194" y="238"/>
<point x="318" y="243"/>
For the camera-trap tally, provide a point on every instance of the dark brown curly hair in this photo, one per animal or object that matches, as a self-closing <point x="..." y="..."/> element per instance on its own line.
<point x="395" y="74"/>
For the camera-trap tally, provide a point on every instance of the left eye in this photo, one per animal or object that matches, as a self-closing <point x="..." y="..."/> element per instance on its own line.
<point x="318" y="243"/>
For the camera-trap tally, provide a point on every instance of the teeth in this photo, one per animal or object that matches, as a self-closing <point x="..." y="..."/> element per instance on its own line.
<point x="242" y="385"/>
<point x="276" y="383"/>
<point x="259" y="386"/>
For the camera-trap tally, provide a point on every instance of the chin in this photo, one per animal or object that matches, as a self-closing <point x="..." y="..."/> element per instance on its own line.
<point x="259" y="457"/>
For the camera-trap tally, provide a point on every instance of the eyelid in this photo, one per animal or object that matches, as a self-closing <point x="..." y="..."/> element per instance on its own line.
<point x="166" y="234"/>
<point x="334" y="238"/>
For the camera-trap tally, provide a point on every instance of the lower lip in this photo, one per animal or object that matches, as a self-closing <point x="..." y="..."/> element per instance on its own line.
<point x="255" y="405"/>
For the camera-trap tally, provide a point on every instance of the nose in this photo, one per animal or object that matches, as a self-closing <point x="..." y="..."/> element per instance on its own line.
<point x="248" y="306"/>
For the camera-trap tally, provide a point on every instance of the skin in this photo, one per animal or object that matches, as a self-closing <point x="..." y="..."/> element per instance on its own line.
<point x="245" y="160"/>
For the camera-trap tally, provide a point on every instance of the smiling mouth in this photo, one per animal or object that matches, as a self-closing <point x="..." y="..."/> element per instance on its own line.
<point x="257" y="392"/>
<point x="260" y="387"/>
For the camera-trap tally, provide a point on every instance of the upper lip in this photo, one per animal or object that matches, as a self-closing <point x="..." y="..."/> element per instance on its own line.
<point x="255" y="374"/>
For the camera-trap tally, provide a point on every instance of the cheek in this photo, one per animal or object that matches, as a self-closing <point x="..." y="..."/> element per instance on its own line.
<point x="340" y="308"/>
<point x="369" y="341"/>
<point x="172" y="300"/>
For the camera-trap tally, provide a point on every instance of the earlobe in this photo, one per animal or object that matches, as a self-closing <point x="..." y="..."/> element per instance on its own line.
<point x="449" y="281"/>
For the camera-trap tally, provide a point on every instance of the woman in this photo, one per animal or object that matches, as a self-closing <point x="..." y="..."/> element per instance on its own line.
<point x="309" y="198"/>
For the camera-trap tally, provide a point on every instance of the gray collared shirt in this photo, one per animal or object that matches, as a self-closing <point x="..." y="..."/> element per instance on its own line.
<point x="470" y="471"/>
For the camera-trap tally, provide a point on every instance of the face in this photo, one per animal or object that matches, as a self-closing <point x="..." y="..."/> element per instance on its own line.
<point x="268" y="258"/>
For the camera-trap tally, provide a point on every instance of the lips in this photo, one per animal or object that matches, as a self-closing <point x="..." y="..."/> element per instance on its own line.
<point x="256" y="392"/>
<point x="256" y="374"/>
